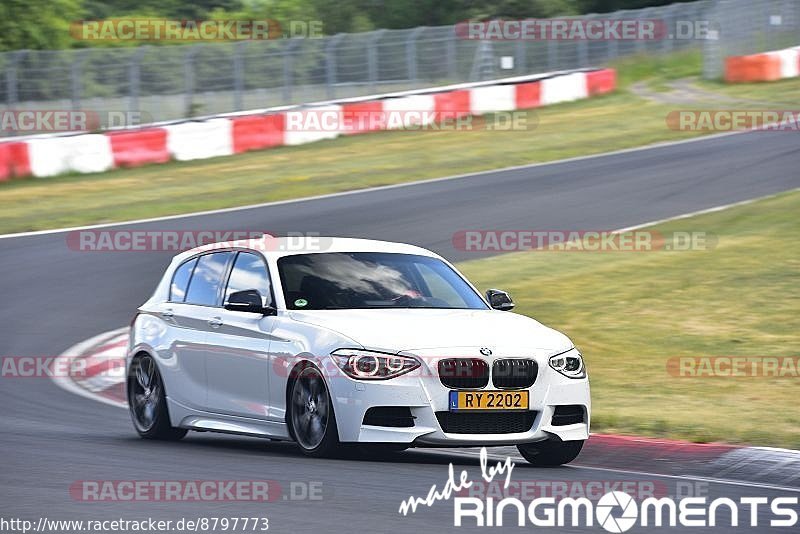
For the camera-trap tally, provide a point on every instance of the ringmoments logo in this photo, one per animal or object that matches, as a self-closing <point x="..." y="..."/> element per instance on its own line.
<point x="615" y="511"/>
<point x="611" y="502"/>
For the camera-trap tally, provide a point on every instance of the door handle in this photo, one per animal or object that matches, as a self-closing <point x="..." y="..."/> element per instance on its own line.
<point x="168" y="314"/>
<point x="216" y="322"/>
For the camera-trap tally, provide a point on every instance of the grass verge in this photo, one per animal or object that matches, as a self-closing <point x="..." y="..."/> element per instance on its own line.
<point x="607" y="123"/>
<point x="630" y="312"/>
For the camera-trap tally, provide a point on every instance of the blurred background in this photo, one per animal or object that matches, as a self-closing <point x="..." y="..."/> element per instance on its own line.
<point x="335" y="50"/>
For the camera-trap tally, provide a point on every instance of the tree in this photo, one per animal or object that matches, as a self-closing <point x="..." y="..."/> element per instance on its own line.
<point x="37" y="24"/>
<point x="607" y="6"/>
<point x="173" y="9"/>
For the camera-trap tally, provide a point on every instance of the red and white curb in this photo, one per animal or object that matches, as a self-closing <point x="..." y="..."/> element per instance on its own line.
<point x="99" y="368"/>
<point x="100" y="362"/>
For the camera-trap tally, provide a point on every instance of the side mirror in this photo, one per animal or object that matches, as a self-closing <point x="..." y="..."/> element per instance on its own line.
<point x="499" y="300"/>
<point x="250" y="301"/>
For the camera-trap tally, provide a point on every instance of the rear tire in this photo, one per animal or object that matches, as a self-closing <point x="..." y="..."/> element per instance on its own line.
<point x="550" y="453"/>
<point x="311" y="417"/>
<point x="147" y="401"/>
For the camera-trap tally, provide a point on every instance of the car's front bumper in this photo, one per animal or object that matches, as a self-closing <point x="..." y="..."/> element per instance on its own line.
<point x="424" y="394"/>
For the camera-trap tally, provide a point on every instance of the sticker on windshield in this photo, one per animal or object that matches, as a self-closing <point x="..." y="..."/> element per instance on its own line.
<point x="300" y="303"/>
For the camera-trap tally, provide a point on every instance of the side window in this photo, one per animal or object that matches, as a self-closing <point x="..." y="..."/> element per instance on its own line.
<point x="208" y="279"/>
<point x="180" y="280"/>
<point x="250" y="272"/>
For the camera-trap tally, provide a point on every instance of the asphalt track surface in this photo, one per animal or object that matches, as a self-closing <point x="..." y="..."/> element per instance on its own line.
<point x="55" y="297"/>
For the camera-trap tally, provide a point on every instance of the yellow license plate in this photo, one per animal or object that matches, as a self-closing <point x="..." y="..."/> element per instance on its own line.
<point x="488" y="400"/>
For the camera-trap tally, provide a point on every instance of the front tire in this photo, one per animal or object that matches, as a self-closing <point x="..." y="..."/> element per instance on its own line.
<point x="147" y="401"/>
<point x="313" y="423"/>
<point x="550" y="453"/>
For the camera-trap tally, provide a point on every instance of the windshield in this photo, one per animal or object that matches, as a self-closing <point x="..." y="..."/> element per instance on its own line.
<point x="356" y="280"/>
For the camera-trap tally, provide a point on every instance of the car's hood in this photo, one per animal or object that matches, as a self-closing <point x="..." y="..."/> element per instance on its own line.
<point x="395" y="330"/>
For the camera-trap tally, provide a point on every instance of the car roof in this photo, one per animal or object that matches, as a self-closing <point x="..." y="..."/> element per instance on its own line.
<point x="276" y="247"/>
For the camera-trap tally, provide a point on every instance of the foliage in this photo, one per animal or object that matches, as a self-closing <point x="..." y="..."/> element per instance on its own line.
<point x="44" y="24"/>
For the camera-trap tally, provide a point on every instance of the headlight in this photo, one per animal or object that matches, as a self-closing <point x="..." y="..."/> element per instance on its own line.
<point x="368" y="365"/>
<point x="569" y="363"/>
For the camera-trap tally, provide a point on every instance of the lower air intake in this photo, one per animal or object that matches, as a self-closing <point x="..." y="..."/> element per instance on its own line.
<point x="486" y="422"/>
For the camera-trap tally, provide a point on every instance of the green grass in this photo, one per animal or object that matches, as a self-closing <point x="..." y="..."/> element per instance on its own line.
<point x="783" y="92"/>
<point x="573" y="129"/>
<point x="629" y="312"/>
<point x="610" y="122"/>
<point x="657" y="69"/>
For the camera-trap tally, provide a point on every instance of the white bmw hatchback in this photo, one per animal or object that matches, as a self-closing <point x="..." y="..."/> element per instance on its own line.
<point x="335" y="341"/>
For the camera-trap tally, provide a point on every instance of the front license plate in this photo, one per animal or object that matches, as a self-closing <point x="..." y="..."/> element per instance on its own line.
<point x="488" y="400"/>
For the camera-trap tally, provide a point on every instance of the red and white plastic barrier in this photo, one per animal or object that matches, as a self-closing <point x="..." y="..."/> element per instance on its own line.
<point x="139" y="147"/>
<point x="564" y="88"/>
<point x="790" y="61"/>
<point x="528" y="95"/>
<point x="311" y="124"/>
<point x="409" y="111"/>
<point x="492" y="98"/>
<point x="48" y="156"/>
<point x="89" y="153"/>
<point x="601" y="81"/>
<point x="44" y="156"/>
<point x="14" y="160"/>
<point x="765" y="67"/>
<point x="256" y="132"/>
<point x="362" y="117"/>
<point x="200" y="140"/>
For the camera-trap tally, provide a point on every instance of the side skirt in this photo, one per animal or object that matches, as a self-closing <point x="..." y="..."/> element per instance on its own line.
<point x="185" y="417"/>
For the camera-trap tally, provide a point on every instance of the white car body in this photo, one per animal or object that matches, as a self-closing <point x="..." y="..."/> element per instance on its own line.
<point x="228" y="371"/>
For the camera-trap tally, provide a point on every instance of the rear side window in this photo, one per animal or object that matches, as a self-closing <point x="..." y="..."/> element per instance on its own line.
<point x="207" y="280"/>
<point x="250" y="272"/>
<point x="180" y="281"/>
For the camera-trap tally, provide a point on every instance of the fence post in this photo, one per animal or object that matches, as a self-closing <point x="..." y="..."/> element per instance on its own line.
<point x="641" y="44"/>
<point x="766" y="27"/>
<point x="12" y="87"/>
<point x="452" y="68"/>
<point x="583" y="53"/>
<point x="188" y="76"/>
<point x="238" y="75"/>
<point x="288" y="63"/>
<point x="330" y="65"/>
<point x="670" y="20"/>
<point x="135" y="79"/>
<point x="552" y="54"/>
<point x="712" y="56"/>
<point x="520" y="60"/>
<point x="612" y="46"/>
<point x="372" y="58"/>
<point x="75" y="75"/>
<point x="411" y="53"/>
